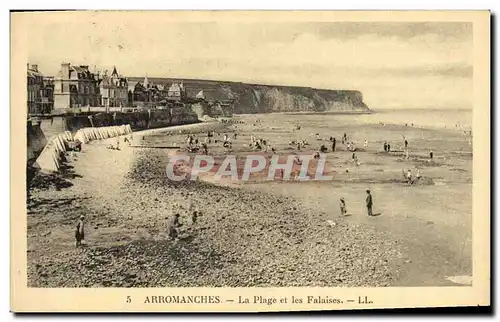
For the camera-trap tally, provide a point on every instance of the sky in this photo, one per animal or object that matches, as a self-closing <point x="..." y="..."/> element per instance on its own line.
<point x="394" y="64"/>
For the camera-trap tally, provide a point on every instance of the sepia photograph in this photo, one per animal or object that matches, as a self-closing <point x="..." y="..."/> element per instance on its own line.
<point x="251" y="150"/>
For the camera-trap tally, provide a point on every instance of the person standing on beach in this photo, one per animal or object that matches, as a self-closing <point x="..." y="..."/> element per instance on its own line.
<point x="385" y="146"/>
<point x="334" y="142"/>
<point x="172" y="224"/>
<point x="431" y="155"/>
<point x="408" y="176"/>
<point x="369" y="203"/>
<point x="343" y="209"/>
<point x="406" y="144"/>
<point x="388" y="147"/>
<point x="80" y="231"/>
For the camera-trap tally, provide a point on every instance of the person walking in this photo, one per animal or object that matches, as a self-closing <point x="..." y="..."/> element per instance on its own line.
<point x="408" y="176"/>
<point x="80" y="231"/>
<point x="369" y="203"/>
<point x="334" y="142"/>
<point x="343" y="209"/>
<point x="172" y="225"/>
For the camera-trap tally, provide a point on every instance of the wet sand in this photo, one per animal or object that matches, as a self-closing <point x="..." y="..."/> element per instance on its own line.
<point x="254" y="233"/>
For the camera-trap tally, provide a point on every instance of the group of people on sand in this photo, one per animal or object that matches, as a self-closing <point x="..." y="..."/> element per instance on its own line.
<point x="299" y="144"/>
<point x="193" y="144"/>
<point x="117" y="146"/>
<point x="350" y="146"/>
<point x="261" y="144"/>
<point x="257" y="121"/>
<point x="387" y="147"/>
<point x="172" y="224"/>
<point x="410" y="178"/>
<point x="368" y="202"/>
<point x="232" y="121"/>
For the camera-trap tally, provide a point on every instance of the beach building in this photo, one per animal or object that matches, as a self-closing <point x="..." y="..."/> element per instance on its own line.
<point x="113" y="89"/>
<point x="76" y="86"/>
<point x="145" y="93"/>
<point x="40" y="99"/>
<point x="176" y="92"/>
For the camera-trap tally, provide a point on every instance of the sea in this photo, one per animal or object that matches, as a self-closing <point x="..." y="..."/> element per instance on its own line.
<point x="460" y="119"/>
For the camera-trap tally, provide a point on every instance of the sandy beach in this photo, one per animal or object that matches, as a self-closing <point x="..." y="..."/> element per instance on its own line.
<point x="258" y="233"/>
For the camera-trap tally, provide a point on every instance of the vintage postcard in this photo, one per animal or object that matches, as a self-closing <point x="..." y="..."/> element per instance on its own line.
<point x="232" y="161"/>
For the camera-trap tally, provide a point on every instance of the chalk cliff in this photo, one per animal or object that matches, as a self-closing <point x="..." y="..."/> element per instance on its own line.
<point x="254" y="98"/>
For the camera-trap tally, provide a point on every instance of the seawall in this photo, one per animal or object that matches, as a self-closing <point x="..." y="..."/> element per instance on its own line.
<point x="36" y="139"/>
<point x="138" y="120"/>
<point x="39" y="129"/>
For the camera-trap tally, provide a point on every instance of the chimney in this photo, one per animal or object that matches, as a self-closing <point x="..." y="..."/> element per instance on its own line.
<point x="34" y="67"/>
<point x="65" y="70"/>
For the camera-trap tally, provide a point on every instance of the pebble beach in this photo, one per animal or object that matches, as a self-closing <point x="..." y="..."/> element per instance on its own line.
<point x="254" y="234"/>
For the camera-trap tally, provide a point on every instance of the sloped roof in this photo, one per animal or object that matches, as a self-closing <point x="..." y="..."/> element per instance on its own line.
<point x="132" y="85"/>
<point x="174" y="88"/>
<point x="200" y="94"/>
<point x="79" y="69"/>
<point x="34" y="73"/>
